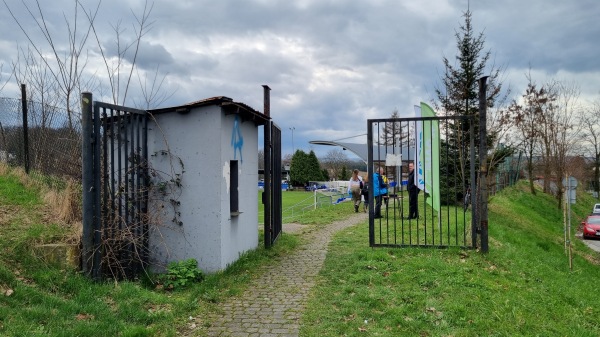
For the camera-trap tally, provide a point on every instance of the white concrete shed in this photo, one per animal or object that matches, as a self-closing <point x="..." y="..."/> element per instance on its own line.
<point x="203" y="159"/>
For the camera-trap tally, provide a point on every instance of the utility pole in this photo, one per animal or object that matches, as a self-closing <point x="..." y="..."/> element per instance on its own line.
<point x="293" y="147"/>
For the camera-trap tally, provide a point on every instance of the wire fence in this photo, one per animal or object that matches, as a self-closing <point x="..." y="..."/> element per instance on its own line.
<point x="40" y="138"/>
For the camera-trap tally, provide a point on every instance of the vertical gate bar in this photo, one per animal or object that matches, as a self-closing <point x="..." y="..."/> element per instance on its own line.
<point x="112" y="216"/>
<point x="370" y="182"/>
<point x="401" y="196"/>
<point x="414" y="127"/>
<point x="425" y="179"/>
<point x="87" y="182"/>
<point x="268" y="228"/>
<point x="396" y="180"/>
<point x="450" y="198"/>
<point x="120" y="184"/>
<point x="119" y="249"/>
<point x="106" y="219"/>
<point x="387" y="207"/>
<point x="138" y="217"/>
<point x="379" y="165"/>
<point x="98" y="223"/>
<point x="474" y="204"/>
<point x="145" y="186"/>
<point x="132" y="191"/>
<point x="483" y="219"/>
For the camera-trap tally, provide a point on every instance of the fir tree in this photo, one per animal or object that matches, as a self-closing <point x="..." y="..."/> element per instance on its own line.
<point x="459" y="96"/>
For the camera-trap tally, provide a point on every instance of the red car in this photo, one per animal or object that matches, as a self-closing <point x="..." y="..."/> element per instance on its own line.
<point x="591" y="227"/>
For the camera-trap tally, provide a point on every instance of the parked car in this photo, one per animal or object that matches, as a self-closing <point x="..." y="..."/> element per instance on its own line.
<point x="596" y="209"/>
<point x="591" y="227"/>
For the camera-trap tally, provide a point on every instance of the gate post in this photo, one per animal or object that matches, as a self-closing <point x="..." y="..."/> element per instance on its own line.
<point x="25" y="128"/>
<point x="87" y="182"/>
<point x="266" y="199"/>
<point x="483" y="194"/>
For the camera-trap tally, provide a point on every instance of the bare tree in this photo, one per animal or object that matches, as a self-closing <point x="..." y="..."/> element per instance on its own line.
<point x="66" y="67"/>
<point x="31" y="69"/>
<point x="4" y="82"/>
<point x="120" y="71"/>
<point x="334" y="162"/>
<point x="565" y="132"/>
<point x="394" y="133"/>
<point x="527" y="118"/>
<point x="152" y="89"/>
<point x="590" y="122"/>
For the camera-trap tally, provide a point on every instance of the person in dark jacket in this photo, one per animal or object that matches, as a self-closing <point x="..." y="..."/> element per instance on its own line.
<point x="413" y="193"/>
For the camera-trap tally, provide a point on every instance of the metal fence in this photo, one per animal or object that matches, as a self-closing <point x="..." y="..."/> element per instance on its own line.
<point x="40" y="138"/>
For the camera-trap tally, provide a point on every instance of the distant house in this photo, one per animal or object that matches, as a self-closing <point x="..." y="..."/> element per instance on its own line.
<point x="211" y="147"/>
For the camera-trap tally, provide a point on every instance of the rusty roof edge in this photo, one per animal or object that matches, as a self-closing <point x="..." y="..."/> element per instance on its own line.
<point x="217" y="100"/>
<point x="262" y="118"/>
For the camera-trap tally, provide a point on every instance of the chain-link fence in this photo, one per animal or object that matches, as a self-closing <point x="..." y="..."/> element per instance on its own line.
<point x="48" y="141"/>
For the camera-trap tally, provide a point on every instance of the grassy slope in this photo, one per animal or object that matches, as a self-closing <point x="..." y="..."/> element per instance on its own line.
<point x="38" y="299"/>
<point x="522" y="287"/>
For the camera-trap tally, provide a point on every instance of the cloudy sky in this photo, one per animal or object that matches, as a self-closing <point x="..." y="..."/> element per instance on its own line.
<point x="331" y="64"/>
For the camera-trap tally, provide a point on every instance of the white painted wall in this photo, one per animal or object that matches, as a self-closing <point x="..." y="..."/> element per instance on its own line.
<point x="201" y="139"/>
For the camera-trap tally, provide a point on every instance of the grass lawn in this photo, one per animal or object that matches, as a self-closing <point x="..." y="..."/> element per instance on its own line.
<point x="522" y="287"/>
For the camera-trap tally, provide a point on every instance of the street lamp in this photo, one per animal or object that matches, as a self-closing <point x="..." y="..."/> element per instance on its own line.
<point x="293" y="147"/>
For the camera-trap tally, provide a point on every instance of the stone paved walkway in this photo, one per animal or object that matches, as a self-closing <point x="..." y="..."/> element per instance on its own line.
<point x="273" y="304"/>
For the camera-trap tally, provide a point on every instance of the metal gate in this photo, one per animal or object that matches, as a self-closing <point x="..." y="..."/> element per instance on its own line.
<point x="272" y="194"/>
<point x="116" y="242"/>
<point x="443" y="154"/>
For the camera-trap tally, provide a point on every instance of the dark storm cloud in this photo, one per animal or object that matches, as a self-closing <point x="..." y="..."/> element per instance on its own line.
<point x="332" y="63"/>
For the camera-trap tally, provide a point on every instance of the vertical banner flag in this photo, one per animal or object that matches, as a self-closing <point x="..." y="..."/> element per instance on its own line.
<point x="428" y="155"/>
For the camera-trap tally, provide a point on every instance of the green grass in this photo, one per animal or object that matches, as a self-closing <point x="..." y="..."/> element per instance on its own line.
<point x="41" y="299"/>
<point x="299" y="207"/>
<point x="522" y="287"/>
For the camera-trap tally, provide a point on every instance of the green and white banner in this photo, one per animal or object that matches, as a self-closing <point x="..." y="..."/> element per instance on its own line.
<point x="428" y="155"/>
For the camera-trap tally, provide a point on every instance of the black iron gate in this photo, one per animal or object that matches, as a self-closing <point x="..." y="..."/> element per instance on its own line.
<point x="443" y="154"/>
<point x="115" y="182"/>
<point x="272" y="194"/>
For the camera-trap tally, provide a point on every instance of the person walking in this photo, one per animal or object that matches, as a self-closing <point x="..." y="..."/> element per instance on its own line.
<point x="365" y="193"/>
<point x="413" y="193"/>
<point x="379" y="190"/>
<point x="355" y="185"/>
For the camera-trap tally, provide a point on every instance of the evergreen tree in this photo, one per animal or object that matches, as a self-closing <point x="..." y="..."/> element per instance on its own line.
<point x="460" y="97"/>
<point x="325" y="175"/>
<point x="344" y="174"/>
<point x="304" y="168"/>
<point x="315" y="173"/>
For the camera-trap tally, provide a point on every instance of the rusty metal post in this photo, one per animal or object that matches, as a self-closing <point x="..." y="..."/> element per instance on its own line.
<point x="87" y="182"/>
<point x="483" y="193"/>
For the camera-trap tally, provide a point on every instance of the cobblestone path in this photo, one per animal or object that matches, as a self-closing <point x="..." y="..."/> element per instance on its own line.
<point x="273" y="304"/>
